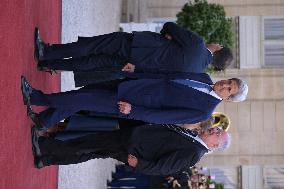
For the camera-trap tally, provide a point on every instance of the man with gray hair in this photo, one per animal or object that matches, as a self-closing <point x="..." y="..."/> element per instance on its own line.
<point x="150" y="149"/>
<point x="160" y="101"/>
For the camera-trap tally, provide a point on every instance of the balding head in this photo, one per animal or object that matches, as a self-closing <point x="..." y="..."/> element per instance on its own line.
<point x="216" y="139"/>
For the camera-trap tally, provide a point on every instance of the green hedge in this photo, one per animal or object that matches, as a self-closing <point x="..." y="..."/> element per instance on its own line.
<point x="208" y="20"/>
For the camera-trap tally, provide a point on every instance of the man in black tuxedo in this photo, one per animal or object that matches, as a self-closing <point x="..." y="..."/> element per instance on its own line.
<point x="148" y="149"/>
<point x="174" y="49"/>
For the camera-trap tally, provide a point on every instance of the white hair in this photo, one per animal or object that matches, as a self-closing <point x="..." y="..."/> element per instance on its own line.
<point x="242" y="93"/>
<point x="225" y="143"/>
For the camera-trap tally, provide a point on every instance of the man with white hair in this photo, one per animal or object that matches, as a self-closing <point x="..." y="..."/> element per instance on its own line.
<point x="149" y="149"/>
<point x="160" y="101"/>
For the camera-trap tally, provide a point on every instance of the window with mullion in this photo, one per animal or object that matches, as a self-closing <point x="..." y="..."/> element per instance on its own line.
<point x="273" y="42"/>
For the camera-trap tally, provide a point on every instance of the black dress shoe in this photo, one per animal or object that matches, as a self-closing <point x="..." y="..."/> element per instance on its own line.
<point x="41" y="67"/>
<point x="36" y="120"/>
<point x="39" y="46"/>
<point x="35" y="145"/>
<point x="26" y="90"/>
<point x="38" y="163"/>
<point x="29" y="109"/>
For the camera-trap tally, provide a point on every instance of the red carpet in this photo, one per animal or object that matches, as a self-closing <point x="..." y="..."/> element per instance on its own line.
<point x="18" y="19"/>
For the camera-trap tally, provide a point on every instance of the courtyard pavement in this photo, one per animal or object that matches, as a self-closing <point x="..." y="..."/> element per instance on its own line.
<point x="86" y="18"/>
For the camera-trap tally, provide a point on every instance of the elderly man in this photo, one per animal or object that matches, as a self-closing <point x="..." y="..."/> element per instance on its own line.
<point x="148" y="149"/>
<point x="160" y="101"/>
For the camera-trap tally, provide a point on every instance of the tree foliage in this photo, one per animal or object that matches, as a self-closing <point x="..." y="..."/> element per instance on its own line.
<point x="219" y="186"/>
<point x="208" y="20"/>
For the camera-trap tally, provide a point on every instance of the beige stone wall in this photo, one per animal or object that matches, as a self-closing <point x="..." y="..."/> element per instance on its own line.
<point x="169" y="8"/>
<point x="164" y="8"/>
<point x="257" y="125"/>
<point x="257" y="134"/>
<point x="252" y="7"/>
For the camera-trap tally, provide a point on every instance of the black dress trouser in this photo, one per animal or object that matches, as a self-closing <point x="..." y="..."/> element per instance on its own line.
<point x="103" y="144"/>
<point x="103" y="52"/>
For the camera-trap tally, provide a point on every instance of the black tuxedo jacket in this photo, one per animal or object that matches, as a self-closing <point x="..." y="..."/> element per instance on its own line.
<point x="161" y="151"/>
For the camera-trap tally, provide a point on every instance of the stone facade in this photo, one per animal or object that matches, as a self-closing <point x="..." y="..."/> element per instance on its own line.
<point x="86" y="18"/>
<point x="145" y="10"/>
<point x="256" y="124"/>
<point x="257" y="127"/>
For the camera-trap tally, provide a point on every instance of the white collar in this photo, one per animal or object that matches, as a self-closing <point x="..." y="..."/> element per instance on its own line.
<point x="198" y="139"/>
<point x="210" y="51"/>
<point x="215" y="95"/>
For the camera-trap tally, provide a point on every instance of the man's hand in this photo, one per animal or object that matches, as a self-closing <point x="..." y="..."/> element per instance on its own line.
<point x="124" y="107"/>
<point x="170" y="179"/>
<point x="213" y="47"/>
<point x="128" y="68"/>
<point x="132" y="160"/>
<point x="168" y="36"/>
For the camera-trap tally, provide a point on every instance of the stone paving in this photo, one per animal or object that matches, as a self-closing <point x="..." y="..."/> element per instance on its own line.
<point x="86" y="18"/>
